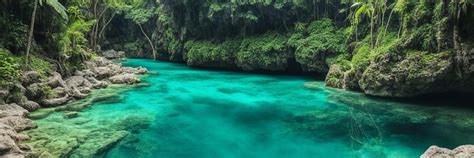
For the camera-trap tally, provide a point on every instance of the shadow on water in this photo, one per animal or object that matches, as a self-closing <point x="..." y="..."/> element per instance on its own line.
<point x="453" y="99"/>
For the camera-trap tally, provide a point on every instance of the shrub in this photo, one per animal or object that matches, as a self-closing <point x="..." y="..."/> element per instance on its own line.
<point x="268" y="51"/>
<point x="316" y="43"/>
<point x="9" y="67"/>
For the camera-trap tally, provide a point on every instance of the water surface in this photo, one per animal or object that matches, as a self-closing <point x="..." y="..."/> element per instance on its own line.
<point x="184" y="112"/>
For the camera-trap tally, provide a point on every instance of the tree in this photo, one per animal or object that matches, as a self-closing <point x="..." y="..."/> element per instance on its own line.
<point x="58" y="7"/>
<point x="140" y="16"/>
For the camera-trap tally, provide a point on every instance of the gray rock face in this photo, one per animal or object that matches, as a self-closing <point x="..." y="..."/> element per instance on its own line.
<point x="112" y="54"/>
<point x="464" y="151"/>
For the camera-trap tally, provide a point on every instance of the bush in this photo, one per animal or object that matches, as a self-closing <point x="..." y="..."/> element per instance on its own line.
<point x="268" y="52"/>
<point x="9" y="67"/>
<point x="37" y="64"/>
<point x="206" y="53"/>
<point x="316" y="43"/>
<point x="363" y="54"/>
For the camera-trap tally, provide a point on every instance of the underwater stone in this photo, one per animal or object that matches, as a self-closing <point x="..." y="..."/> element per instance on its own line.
<point x="69" y="115"/>
<point x="101" y="142"/>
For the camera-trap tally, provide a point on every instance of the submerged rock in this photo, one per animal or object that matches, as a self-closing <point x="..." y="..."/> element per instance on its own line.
<point x="101" y="142"/>
<point x="70" y="115"/>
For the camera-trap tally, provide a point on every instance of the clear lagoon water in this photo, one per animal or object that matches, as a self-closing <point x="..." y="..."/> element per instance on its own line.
<point x="182" y="112"/>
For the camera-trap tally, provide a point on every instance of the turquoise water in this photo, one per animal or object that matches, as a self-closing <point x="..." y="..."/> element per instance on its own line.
<point x="183" y="112"/>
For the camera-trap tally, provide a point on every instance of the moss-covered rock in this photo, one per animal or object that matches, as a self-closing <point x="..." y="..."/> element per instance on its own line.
<point x="415" y="73"/>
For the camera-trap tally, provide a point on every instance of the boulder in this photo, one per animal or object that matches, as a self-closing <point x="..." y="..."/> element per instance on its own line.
<point x="96" y="83"/>
<point x="30" y="105"/>
<point x="102" y="72"/>
<point x="16" y="93"/>
<point x="124" y="79"/>
<point x="101" y="61"/>
<point x="37" y="91"/>
<point x="459" y="152"/>
<point x="138" y="71"/>
<point x="335" y="77"/>
<point x="55" y="102"/>
<point x="3" y="95"/>
<point x="77" y="81"/>
<point x="15" y="116"/>
<point x="112" y="54"/>
<point x="30" y="77"/>
<point x="56" y="80"/>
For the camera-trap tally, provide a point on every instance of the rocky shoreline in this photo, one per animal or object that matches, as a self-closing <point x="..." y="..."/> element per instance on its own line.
<point x="37" y="92"/>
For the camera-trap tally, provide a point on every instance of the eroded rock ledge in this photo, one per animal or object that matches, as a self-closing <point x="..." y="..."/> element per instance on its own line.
<point x="37" y="91"/>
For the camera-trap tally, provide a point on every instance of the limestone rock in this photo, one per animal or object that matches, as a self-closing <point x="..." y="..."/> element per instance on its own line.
<point x="463" y="151"/>
<point x="112" y="54"/>
<point x="31" y="77"/>
<point x="36" y="91"/>
<point x="55" y="102"/>
<point x="394" y="75"/>
<point x="56" y="80"/>
<point x="30" y="105"/>
<point x="124" y="79"/>
<point x="12" y="120"/>
<point x="335" y="77"/>
<point x="77" y="81"/>
<point x="138" y="71"/>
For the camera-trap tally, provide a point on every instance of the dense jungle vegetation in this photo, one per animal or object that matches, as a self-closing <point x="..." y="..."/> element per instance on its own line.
<point x="381" y="47"/>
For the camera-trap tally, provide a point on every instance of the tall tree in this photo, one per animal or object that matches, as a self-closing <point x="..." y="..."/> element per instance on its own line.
<point x="58" y="7"/>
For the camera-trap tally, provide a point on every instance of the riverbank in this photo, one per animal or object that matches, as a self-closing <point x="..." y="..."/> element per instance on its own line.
<point x="37" y="92"/>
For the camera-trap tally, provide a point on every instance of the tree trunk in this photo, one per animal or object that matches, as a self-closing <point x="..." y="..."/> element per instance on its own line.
<point x="101" y="33"/>
<point x="458" y="57"/>
<point x="30" y="36"/>
<point x="149" y="41"/>
<point x="372" y="32"/>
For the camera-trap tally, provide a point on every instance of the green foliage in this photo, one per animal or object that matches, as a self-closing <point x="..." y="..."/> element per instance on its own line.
<point x="363" y="54"/>
<point x="206" y="52"/>
<point x="314" y="44"/>
<point x="37" y="64"/>
<point x="74" y="42"/>
<point x="268" y="51"/>
<point x="140" y="15"/>
<point x="13" y="35"/>
<point x="57" y="6"/>
<point x="9" y="67"/>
